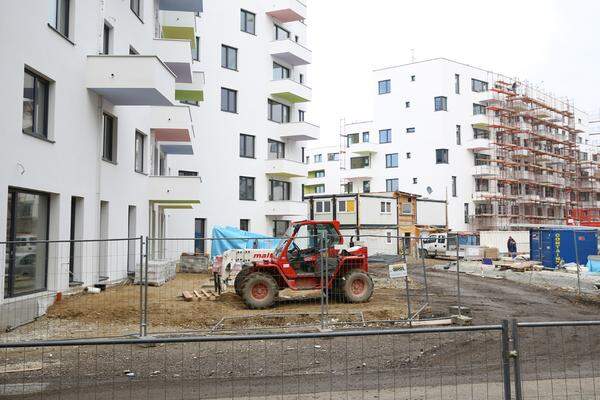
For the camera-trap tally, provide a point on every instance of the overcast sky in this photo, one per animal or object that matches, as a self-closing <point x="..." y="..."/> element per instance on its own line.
<point x="554" y="42"/>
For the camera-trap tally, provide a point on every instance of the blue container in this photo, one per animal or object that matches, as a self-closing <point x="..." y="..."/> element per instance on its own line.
<point x="554" y="247"/>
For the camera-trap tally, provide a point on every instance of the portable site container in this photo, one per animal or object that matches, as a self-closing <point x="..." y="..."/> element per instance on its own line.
<point x="554" y="247"/>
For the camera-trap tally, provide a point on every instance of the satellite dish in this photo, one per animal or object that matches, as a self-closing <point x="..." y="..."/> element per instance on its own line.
<point x="429" y="190"/>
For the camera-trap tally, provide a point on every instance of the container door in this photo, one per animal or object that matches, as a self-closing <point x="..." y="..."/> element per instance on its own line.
<point x="550" y="241"/>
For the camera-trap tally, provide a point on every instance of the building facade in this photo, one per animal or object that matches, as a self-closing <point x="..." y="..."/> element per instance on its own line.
<point x="502" y="152"/>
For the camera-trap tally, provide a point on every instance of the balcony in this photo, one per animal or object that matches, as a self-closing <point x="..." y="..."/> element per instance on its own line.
<point x="358" y="173"/>
<point x="176" y="54"/>
<point x="312" y="182"/>
<point x="170" y="118"/>
<point x="480" y="121"/>
<point x="174" y="189"/>
<point x="287" y="10"/>
<point x="286" y="208"/>
<point x="290" y="52"/>
<point x="298" y="131"/>
<point x="181" y="5"/>
<point x="191" y="91"/>
<point x="177" y="25"/>
<point x="174" y="141"/>
<point x="290" y="91"/>
<point x="520" y="153"/>
<point x="485" y="170"/>
<point x="363" y="148"/>
<point x="131" y="80"/>
<point x="282" y="168"/>
<point x="477" y="145"/>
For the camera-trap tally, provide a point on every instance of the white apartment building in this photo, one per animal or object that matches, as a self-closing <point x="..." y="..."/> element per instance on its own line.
<point x="111" y="130"/>
<point x="447" y="130"/>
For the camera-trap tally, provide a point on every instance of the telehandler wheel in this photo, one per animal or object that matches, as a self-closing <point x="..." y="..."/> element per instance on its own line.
<point x="239" y="280"/>
<point x="357" y="286"/>
<point x="259" y="290"/>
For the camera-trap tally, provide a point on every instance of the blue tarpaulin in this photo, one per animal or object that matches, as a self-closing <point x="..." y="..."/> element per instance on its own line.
<point x="228" y="237"/>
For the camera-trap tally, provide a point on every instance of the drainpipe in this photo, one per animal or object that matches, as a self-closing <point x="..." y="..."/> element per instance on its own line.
<point x="357" y="197"/>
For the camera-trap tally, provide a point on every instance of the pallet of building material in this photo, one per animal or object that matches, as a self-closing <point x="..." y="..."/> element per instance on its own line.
<point x="159" y="273"/>
<point x="193" y="263"/>
<point x="517" y="266"/>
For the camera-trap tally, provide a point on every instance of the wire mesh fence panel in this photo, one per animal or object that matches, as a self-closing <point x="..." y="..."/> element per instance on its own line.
<point x="70" y="289"/>
<point x="431" y="364"/>
<point x="559" y="361"/>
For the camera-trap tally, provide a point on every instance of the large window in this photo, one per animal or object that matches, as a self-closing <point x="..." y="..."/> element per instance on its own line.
<point x="441" y="103"/>
<point x="385" y="136"/>
<point x="59" y="16"/>
<point x="109" y="138"/>
<point x="385" y="86"/>
<point x="278" y="112"/>
<point x="441" y="156"/>
<point x="247" y="143"/>
<point x="391" y="160"/>
<point x="360" y="162"/>
<point x="135" y="7"/>
<point x="352" y="138"/>
<point x="26" y="263"/>
<point x="391" y="185"/>
<point x="480" y="134"/>
<point x="246" y="188"/>
<point x="280" y="227"/>
<point x="281" y="34"/>
<point x="478" y="109"/>
<point x="479" y="86"/>
<point x="228" y="100"/>
<point x="365" y="137"/>
<point x="35" y="105"/>
<point x="318" y="158"/>
<point x="229" y="57"/>
<point x="280" y="72"/>
<point x="276" y="150"/>
<point x="366" y="186"/>
<point x="333" y="156"/>
<point x="140" y="140"/>
<point x="279" y="190"/>
<point x="196" y="50"/>
<point x="248" y="22"/>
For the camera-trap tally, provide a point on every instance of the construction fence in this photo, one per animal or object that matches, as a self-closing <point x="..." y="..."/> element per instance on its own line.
<point x="148" y="286"/>
<point x="547" y="360"/>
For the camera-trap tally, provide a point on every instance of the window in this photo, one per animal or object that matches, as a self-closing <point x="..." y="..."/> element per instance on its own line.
<point x="466" y="213"/>
<point x="323" y="206"/>
<point x="480" y="134"/>
<point x="281" y="34"/>
<point x="441" y="156"/>
<point x="248" y="22"/>
<point x="106" y="39"/>
<point x="385" y="86"/>
<point x="441" y="103"/>
<point x="318" y="174"/>
<point x="457" y="83"/>
<point x="247" y="144"/>
<point x="318" y="158"/>
<point x="229" y="57"/>
<point x="482" y="159"/>
<point x="391" y="185"/>
<point x="386" y="207"/>
<point x="359" y="162"/>
<point x="59" y="16"/>
<point x="140" y="141"/>
<point x="245" y="225"/>
<point x="366" y="186"/>
<point x="301" y="77"/>
<point x="279" y="190"/>
<point x="187" y="173"/>
<point x="333" y="156"/>
<point x="26" y="268"/>
<point x="109" y="144"/>
<point x="478" y="109"/>
<point x="353" y="138"/>
<point x="347" y="187"/>
<point x="407" y="104"/>
<point x="415" y="181"/>
<point x="135" y="7"/>
<point x="320" y="189"/>
<point x="411" y="130"/>
<point x="35" y="105"/>
<point x="278" y="112"/>
<point x="196" y="50"/>
<point x="229" y="100"/>
<point x="482" y="185"/>
<point x="479" y="86"/>
<point x="385" y="136"/>
<point x="280" y="227"/>
<point x="301" y="114"/>
<point x="246" y="188"/>
<point x="365" y="137"/>
<point x="280" y="72"/>
<point x="408" y="155"/>
<point x="413" y="78"/>
<point x="454" y="186"/>
<point x="458" y="135"/>
<point x="388" y="237"/>
<point x="391" y="160"/>
<point x="276" y="150"/>
<point x="346" y="206"/>
<point x="406" y="208"/>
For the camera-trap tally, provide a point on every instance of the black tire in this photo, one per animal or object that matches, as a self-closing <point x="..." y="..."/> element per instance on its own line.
<point x="357" y="286"/>
<point x="239" y="281"/>
<point x="424" y="253"/>
<point x="259" y="290"/>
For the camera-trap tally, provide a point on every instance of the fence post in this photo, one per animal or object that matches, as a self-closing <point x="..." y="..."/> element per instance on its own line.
<point x="141" y="286"/>
<point x="322" y="240"/>
<point x="506" y="360"/>
<point x="515" y="354"/>
<point x="424" y="272"/>
<point x="457" y="274"/>
<point x="146" y="287"/>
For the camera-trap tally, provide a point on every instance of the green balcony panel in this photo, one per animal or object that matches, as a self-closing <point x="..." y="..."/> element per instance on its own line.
<point x="290" y="97"/>
<point x="180" y="32"/>
<point x="309" y="190"/>
<point x="189" y="95"/>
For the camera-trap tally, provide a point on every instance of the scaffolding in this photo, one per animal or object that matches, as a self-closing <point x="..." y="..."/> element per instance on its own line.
<point x="529" y="164"/>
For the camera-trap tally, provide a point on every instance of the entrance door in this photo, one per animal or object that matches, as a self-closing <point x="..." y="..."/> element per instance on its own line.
<point x="199" y="234"/>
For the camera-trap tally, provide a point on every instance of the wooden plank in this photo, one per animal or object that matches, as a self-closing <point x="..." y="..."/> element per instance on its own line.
<point x="22" y="367"/>
<point x="187" y="296"/>
<point x="197" y="294"/>
<point x="436" y="322"/>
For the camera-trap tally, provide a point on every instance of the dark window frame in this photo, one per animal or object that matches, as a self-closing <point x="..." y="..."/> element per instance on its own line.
<point x="479" y="86"/>
<point x="279" y="29"/>
<point x="384" y="86"/>
<point x="106" y="29"/>
<point x="287" y="189"/>
<point x="247" y="184"/>
<point x="440" y="103"/>
<point x="454" y="186"/>
<point x="112" y="157"/>
<point x="139" y="134"/>
<point x="139" y="8"/>
<point x="244" y="153"/>
<point x="196" y="50"/>
<point x="226" y="57"/>
<point x="46" y="88"/>
<point x="231" y="95"/>
<point x="458" y="135"/>
<point x="286" y="72"/>
<point x="285" y="111"/>
<point x="389" y="160"/>
<point x="244" y="26"/>
<point x="355" y="165"/>
<point x="280" y="149"/>
<point x="456" y="83"/>
<point x="442" y="156"/>
<point x="65" y="17"/>
<point x="244" y="224"/>
<point x="388" y="135"/>
<point x="390" y="183"/>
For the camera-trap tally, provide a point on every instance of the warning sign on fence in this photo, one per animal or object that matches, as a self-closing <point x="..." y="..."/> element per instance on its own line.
<point x="398" y="271"/>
